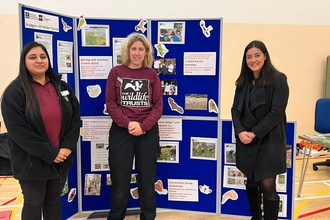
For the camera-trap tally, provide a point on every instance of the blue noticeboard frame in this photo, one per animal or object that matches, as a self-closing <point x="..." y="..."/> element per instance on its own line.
<point x="27" y="35"/>
<point x="230" y="206"/>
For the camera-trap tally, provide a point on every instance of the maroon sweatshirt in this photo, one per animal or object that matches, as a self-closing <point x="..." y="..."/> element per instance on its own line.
<point x="134" y="95"/>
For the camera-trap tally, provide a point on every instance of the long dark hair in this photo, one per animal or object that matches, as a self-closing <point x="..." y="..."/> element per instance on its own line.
<point x="267" y="71"/>
<point x="25" y="78"/>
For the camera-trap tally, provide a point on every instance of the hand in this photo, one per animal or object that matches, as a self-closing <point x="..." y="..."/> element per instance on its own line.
<point x="134" y="128"/>
<point x="62" y="155"/>
<point x="246" y="137"/>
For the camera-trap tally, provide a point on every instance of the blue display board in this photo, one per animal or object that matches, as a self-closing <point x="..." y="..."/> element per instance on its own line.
<point x="233" y="194"/>
<point x="190" y="167"/>
<point x="32" y="31"/>
<point x="195" y="42"/>
<point x="193" y="83"/>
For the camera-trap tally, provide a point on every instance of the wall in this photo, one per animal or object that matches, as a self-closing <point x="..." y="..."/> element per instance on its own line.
<point x="296" y="37"/>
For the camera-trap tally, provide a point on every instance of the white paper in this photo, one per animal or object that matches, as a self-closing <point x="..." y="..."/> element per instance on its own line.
<point x="199" y="63"/>
<point x="64" y="57"/>
<point x="182" y="190"/>
<point x="170" y="129"/>
<point x="95" y="67"/>
<point x="47" y="41"/>
<point x="116" y="50"/>
<point x="96" y="129"/>
<point x="99" y="156"/>
<point x="233" y="178"/>
<point x="40" y="21"/>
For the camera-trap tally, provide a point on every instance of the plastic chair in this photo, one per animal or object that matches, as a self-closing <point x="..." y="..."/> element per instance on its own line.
<point x="322" y="123"/>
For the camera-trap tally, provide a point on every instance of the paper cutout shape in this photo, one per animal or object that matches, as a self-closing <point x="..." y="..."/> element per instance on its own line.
<point x="206" y="30"/>
<point x="231" y="194"/>
<point x="105" y="111"/>
<point x="205" y="189"/>
<point x="82" y="23"/>
<point x="161" y="50"/>
<point x="135" y="193"/>
<point x="5" y="215"/>
<point x="72" y="194"/>
<point x="174" y="106"/>
<point x="66" y="27"/>
<point x="213" y="106"/>
<point x="140" y="26"/>
<point x="94" y="90"/>
<point x="159" y="188"/>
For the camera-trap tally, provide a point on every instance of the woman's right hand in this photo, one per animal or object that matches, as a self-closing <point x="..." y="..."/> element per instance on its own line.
<point x="246" y="137"/>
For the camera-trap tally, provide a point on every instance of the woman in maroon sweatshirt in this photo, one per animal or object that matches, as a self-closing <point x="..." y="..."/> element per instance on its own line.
<point x="134" y="102"/>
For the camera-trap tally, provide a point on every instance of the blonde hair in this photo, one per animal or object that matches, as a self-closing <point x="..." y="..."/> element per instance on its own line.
<point x="132" y="38"/>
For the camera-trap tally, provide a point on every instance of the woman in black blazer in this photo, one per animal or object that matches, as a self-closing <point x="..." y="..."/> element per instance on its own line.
<point x="259" y="121"/>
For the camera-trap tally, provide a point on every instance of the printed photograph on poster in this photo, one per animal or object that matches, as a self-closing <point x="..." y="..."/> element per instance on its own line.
<point x="288" y="156"/>
<point x="95" y="67"/>
<point x="230" y="153"/>
<point x="170" y="129"/>
<point x="171" y="32"/>
<point x="169" y="86"/>
<point x="169" y="152"/>
<point x="99" y="156"/>
<point x="40" y="21"/>
<point x="203" y="148"/>
<point x="109" y="181"/>
<point x="95" y="36"/>
<point x="199" y="63"/>
<point x="64" y="57"/>
<point x="165" y="66"/>
<point x="233" y="178"/>
<point x="92" y="185"/>
<point x="281" y="180"/>
<point x="134" y="178"/>
<point x="282" y="211"/>
<point x="116" y="50"/>
<point x="233" y="137"/>
<point x="196" y="101"/>
<point x="47" y="41"/>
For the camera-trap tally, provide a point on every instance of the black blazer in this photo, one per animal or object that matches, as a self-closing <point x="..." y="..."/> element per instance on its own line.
<point x="264" y="114"/>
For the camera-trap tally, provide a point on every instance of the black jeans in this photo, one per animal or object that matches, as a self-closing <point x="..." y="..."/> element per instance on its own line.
<point x="43" y="197"/>
<point x="122" y="148"/>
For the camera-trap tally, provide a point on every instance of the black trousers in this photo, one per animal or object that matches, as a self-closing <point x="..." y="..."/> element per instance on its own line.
<point x="122" y="148"/>
<point x="43" y="198"/>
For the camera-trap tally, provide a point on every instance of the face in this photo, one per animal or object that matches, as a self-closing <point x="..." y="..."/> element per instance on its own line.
<point x="137" y="53"/>
<point x="36" y="62"/>
<point x="255" y="59"/>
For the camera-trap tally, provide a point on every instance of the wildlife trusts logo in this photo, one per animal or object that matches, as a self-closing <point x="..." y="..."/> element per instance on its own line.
<point x="135" y="93"/>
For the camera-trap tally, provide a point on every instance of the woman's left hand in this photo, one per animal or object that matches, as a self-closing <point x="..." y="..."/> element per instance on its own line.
<point x="134" y="128"/>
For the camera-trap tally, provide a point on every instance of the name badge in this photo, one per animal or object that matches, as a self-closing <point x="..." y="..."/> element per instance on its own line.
<point x="65" y="93"/>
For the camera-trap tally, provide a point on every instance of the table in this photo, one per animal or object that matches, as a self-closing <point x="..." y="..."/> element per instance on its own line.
<point x="323" y="139"/>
